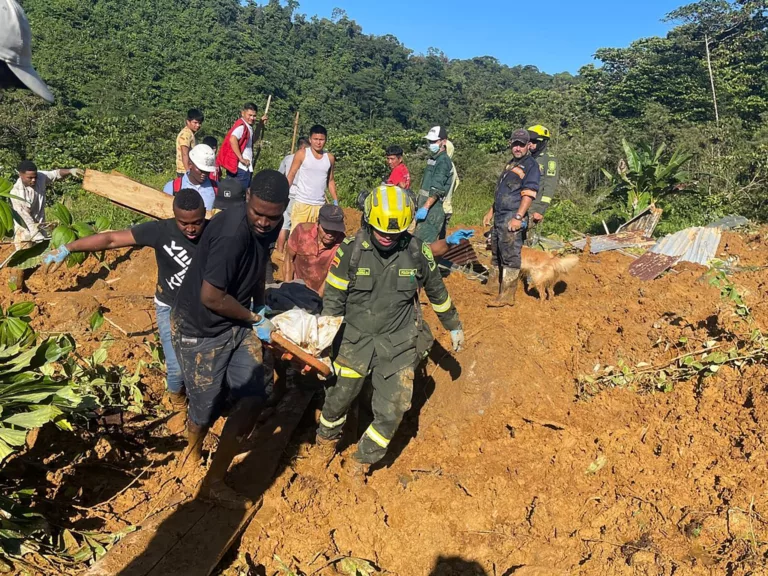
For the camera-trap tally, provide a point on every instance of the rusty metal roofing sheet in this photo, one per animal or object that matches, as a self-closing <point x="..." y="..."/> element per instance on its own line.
<point x="646" y="221"/>
<point x="651" y="265"/>
<point x="461" y="255"/>
<point x="616" y="241"/>
<point x="697" y="245"/>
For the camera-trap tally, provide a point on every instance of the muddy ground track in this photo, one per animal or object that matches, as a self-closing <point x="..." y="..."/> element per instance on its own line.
<point x="488" y="473"/>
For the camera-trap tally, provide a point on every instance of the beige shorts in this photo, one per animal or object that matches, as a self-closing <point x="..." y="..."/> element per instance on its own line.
<point x="303" y="213"/>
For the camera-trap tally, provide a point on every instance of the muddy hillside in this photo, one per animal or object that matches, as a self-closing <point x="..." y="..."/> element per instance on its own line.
<point x="505" y="464"/>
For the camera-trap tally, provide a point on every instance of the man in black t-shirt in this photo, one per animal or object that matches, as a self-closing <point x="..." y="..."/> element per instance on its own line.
<point x="175" y="242"/>
<point x="217" y="335"/>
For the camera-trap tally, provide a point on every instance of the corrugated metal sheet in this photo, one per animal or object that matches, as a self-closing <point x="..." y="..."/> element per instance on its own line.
<point x="651" y="265"/>
<point x="461" y="255"/>
<point x="616" y="241"/>
<point x="646" y="221"/>
<point x="697" y="245"/>
<point x="729" y="222"/>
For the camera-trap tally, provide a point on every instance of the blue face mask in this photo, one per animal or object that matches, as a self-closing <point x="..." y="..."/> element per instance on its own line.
<point x="434" y="147"/>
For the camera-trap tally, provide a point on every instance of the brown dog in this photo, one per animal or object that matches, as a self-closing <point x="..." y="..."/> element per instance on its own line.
<point x="543" y="269"/>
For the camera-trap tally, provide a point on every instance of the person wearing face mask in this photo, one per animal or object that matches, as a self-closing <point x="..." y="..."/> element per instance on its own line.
<point x="515" y="191"/>
<point x="373" y="285"/>
<point x="435" y="186"/>
<point x="217" y="335"/>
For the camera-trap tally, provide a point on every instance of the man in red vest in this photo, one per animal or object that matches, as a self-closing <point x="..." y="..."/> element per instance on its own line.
<point x="236" y="152"/>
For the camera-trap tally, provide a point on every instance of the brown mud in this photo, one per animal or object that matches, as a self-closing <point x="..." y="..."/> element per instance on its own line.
<point x="497" y="469"/>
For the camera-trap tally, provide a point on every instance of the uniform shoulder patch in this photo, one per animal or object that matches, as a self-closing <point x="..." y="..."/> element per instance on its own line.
<point x="427" y="251"/>
<point x="349" y="240"/>
<point x="552" y="168"/>
<point x="365" y="244"/>
<point x="339" y="252"/>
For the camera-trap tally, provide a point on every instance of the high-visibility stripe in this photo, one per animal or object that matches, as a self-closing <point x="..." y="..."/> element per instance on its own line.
<point x="345" y="372"/>
<point x="546" y="199"/>
<point x="529" y="193"/>
<point x="444" y="307"/>
<point x="334" y="424"/>
<point x="376" y="437"/>
<point x="337" y="282"/>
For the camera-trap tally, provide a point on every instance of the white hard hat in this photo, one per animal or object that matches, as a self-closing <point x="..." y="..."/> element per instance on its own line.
<point x="203" y="157"/>
<point x="436" y="133"/>
<point x="16" y="47"/>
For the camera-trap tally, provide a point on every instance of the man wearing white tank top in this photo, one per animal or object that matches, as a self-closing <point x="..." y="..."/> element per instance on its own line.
<point x="311" y="173"/>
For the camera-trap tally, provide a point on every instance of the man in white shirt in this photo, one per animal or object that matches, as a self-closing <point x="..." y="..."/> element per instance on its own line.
<point x="28" y="200"/>
<point x="285" y="167"/>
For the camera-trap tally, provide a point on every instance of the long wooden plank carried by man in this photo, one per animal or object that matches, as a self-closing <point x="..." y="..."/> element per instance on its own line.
<point x="192" y="537"/>
<point x="129" y="194"/>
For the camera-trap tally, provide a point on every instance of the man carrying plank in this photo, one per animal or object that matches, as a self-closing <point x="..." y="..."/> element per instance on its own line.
<point x="216" y="334"/>
<point x="175" y="242"/>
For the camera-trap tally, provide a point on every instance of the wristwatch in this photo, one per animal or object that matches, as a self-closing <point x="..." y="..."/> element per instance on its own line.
<point x="518" y="217"/>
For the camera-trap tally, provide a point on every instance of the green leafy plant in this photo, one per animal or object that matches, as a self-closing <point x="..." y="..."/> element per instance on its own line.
<point x="69" y="230"/>
<point x="6" y="212"/>
<point x="645" y="179"/>
<point x="14" y="324"/>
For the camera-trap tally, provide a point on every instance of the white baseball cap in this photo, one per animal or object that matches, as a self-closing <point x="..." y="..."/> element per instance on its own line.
<point x="16" y="47"/>
<point x="203" y="157"/>
<point x="436" y="133"/>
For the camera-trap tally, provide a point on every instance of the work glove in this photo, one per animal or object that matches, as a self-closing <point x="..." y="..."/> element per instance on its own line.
<point x="76" y="172"/>
<point x="263" y="327"/>
<point x="53" y="259"/>
<point x="421" y="214"/>
<point x="458" y="236"/>
<point x="457" y="339"/>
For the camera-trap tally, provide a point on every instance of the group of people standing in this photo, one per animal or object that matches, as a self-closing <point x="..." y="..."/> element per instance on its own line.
<point x="210" y="296"/>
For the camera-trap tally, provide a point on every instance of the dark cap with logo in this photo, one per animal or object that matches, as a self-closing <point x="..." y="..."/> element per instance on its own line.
<point x="231" y="193"/>
<point x="521" y="136"/>
<point x="332" y="218"/>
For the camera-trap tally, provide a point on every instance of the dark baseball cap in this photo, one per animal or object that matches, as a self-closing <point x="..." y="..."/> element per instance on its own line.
<point x="520" y="135"/>
<point x="332" y="218"/>
<point x="231" y="193"/>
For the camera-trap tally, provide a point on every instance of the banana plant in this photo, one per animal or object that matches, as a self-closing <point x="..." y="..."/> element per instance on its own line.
<point x="6" y="212"/>
<point x="645" y="178"/>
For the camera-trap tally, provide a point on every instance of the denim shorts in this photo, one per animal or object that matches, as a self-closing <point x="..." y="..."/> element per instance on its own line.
<point x="219" y="371"/>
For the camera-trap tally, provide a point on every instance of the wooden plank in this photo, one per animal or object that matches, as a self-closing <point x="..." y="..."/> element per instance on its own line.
<point x="129" y="194"/>
<point x="191" y="539"/>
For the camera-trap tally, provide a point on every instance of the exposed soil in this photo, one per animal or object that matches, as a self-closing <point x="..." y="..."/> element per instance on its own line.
<point x="488" y="474"/>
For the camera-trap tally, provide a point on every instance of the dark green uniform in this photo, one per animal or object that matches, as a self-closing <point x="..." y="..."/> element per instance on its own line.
<point x="548" y="184"/>
<point x="378" y="300"/>
<point x="437" y="183"/>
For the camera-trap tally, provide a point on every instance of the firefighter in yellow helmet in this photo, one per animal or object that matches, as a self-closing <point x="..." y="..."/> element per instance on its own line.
<point x="549" y="178"/>
<point x="373" y="284"/>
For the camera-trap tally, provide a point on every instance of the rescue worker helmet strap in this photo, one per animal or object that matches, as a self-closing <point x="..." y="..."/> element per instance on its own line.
<point x="389" y="209"/>
<point x="542" y="131"/>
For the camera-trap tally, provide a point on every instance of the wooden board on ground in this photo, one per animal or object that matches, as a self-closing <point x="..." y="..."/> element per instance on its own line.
<point x="191" y="539"/>
<point x="129" y="194"/>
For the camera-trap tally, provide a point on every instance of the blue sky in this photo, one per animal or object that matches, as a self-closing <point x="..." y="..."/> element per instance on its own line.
<point x="461" y="29"/>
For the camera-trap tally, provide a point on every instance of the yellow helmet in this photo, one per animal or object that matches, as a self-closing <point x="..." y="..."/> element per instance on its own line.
<point x="542" y="131"/>
<point x="389" y="209"/>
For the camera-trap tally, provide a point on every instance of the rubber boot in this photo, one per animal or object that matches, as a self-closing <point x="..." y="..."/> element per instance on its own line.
<point x="509" y="280"/>
<point x="492" y="286"/>
<point x="326" y="449"/>
<point x="177" y="422"/>
<point x="193" y="453"/>
<point x="357" y="471"/>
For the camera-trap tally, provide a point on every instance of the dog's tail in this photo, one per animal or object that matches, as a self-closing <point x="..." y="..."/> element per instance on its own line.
<point x="565" y="264"/>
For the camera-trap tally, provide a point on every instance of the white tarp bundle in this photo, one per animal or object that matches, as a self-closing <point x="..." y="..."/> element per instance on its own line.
<point x="312" y="333"/>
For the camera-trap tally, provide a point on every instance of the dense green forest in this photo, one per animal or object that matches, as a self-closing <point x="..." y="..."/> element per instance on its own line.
<point x="125" y="71"/>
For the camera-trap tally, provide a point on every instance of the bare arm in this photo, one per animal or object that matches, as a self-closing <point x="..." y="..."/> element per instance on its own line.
<point x="289" y="268"/>
<point x="439" y="247"/>
<point x="235" y="145"/>
<point x="103" y="241"/>
<point x="185" y="156"/>
<point x="296" y="164"/>
<point x="225" y="305"/>
<point x="331" y="181"/>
